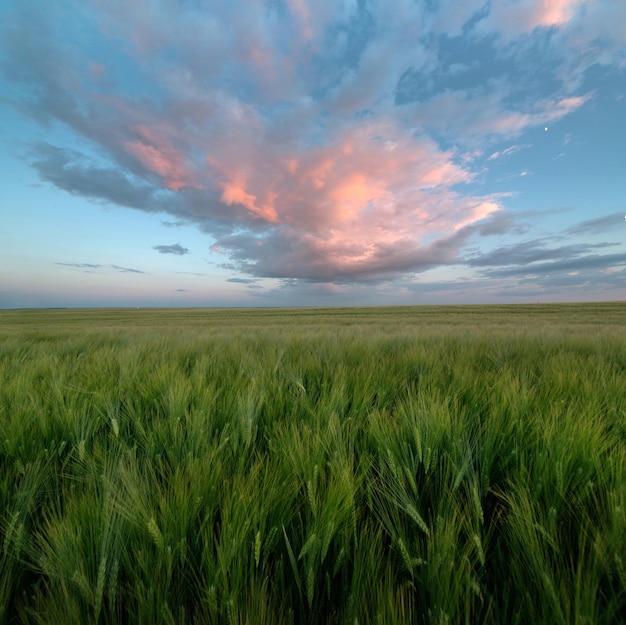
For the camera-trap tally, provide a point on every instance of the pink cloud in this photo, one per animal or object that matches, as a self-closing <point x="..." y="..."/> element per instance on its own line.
<point x="159" y="157"/>
<point x="365" y="173"/>
<point x="348" y="205"/>
<point x="554" y="12"/>
<point x="481" y="210"/>
<point x="235" y="193"/>
<point x="509" y="18"/>
<point x="514" y="17"/>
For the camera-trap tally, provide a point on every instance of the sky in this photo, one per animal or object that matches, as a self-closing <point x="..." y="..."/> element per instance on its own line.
<point x="311" y="152"/>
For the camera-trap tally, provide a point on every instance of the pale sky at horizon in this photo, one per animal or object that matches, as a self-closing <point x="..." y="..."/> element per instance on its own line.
<point x="301" y="152"/>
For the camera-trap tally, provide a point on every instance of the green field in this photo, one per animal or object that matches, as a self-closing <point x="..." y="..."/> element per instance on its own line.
<point x="378" y="465"/>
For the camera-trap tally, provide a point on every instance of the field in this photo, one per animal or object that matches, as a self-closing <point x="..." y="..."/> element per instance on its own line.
<point x="380" y="465"/>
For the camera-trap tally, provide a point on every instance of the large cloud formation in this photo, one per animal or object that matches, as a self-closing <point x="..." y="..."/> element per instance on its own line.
<point x="326" y="141"/>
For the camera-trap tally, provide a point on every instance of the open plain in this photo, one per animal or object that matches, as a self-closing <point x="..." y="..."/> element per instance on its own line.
<point x="460" y="464"/>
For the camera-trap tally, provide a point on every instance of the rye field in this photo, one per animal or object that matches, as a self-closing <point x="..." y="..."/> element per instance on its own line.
<point x="431" y="465"/>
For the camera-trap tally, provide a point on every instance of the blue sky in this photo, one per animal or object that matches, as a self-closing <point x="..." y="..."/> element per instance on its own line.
<point x="300" y="152"/>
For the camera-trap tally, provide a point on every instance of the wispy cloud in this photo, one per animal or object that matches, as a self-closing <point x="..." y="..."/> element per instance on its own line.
<point x="241" y="280"/>
<point x="546" y="264"/>
<point x="527" y="252"/>
<point x="560" y="265"/>
<point x="176" y="249"/>
<point x="599" y="225"/>
<point x="92" y="267"/>
<point x="126" y="269"/>
<point x="80" y="265"/>
<point x="508" y="151"/>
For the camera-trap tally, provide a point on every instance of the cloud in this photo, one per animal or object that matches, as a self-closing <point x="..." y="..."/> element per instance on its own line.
<point x="507" y="151"/>
<point x="587" y="283"/>
<point x="527" y="252"/>
<point x="543" y="267"/>
<point x="296" y="135"/>
<point x="126" y="269"/>
<point x="511" y="18"/>
<point x="79" y="175"/>
<point x="250" y="283"/>
<point x="156" y="154"/>
<point x="90" y="266"/>
<point x="80" y="265"/>
<point x="471" y="119"/>
<point x="534" y="258"/>
<point x="176" y="249"/>
<point x="598" y="225"/>
<point x="562" y="265"/>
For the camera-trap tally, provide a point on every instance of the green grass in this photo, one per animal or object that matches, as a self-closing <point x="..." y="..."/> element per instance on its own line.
<point x="379" y="465"/>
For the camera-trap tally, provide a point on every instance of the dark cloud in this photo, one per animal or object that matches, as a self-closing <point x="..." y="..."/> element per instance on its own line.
<point x="176" y="249"/>
<point x="582" y="284"/>
<point x="77" y="174"/>
<point x="572" y="264"/>
<point x="88" y="266"/>
<point x="80" y="265"/>
<point x="283" y="254"/>
<point x="537" y="267"/>
<point x="599" y="225"/>
<point x="502" y="223"/>
<point x="126" y="269"/>
<point x="527" y="252"/>
<point x="241" y="280"/>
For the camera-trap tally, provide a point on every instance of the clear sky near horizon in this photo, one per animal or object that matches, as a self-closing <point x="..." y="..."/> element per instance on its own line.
<point x="311" y="152"/>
